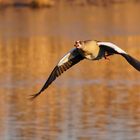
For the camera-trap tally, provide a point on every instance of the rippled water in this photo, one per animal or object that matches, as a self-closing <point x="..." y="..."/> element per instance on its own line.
<point x="93" y="100"/>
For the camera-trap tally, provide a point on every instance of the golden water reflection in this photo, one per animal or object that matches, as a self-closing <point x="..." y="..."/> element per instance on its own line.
<point x="93" y="100"/>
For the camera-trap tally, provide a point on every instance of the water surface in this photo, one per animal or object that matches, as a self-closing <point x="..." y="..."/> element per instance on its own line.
<point x="93" y="100"/>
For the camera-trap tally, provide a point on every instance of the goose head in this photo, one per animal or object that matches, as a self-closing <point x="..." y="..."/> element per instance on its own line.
<point x="88" y="48"/>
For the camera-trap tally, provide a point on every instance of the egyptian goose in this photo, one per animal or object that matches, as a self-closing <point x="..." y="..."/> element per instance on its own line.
<point x="89" y="49"/>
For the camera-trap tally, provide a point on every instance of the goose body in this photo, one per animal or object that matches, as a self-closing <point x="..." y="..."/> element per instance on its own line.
<point x="88" y="49"/>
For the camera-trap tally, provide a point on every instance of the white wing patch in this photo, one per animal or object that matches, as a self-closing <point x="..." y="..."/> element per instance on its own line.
<point x="66" y="57"/>
<point x="113" y="46"/>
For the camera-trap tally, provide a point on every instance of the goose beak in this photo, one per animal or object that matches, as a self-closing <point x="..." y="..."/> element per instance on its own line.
<point x="78" y="44"/>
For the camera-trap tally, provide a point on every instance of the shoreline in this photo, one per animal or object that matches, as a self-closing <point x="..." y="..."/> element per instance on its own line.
<point x="37" y="4"/>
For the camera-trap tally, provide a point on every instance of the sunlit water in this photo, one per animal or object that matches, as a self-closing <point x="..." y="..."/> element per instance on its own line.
<point x="93" y="100"/>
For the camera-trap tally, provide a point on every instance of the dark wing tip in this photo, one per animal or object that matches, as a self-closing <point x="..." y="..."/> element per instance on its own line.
<point x="58" y="70"/>
<point x="51" y="78"/>
<point x="132" y="61"/>
<point x="34" y="96"/>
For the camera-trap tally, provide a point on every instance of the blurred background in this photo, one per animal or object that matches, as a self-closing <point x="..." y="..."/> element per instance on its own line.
<point x="93" y="100"/>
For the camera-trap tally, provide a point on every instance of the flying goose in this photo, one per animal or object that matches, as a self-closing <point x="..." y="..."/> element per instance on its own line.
<point x="88" y="49"/>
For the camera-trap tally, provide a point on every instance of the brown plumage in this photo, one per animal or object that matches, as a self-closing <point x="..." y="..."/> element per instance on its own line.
<point x="91" y="50"/>
<point x="72" y="58"/>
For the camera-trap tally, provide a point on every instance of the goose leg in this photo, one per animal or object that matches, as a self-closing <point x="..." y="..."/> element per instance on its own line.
<point x="106" y="57"/>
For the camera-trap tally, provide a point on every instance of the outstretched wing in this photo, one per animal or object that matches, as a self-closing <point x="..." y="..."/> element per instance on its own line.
<point x="132" y="61"/>
<point x="113" y="49"/>
<point x="70" y="59"/>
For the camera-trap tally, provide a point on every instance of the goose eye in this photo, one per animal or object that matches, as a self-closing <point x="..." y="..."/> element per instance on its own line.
<point x="78" y="44"/>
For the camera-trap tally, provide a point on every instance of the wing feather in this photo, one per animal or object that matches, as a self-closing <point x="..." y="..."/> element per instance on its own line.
<point x="111" y="48"/>
<point x="70" y="59"/>
<point x="132" y="61"/>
